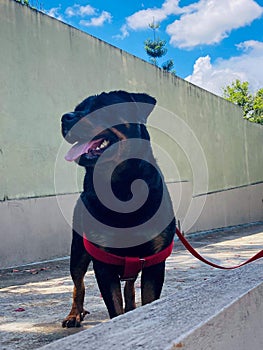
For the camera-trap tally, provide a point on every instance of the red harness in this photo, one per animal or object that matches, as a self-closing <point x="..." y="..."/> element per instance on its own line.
<point x="132" y="265"/>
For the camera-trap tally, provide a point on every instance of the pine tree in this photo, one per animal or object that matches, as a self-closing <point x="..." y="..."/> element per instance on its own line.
<point x="156" y="48"/>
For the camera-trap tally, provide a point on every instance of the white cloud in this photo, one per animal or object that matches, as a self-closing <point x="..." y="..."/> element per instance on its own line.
<point x="124" y="33"/>
<point x="54" y="12"/>
<point x="246" y="67"/>
<point x="141" y="19"/>
<point x="97" y="21"/>
<point x="83" y="12"/>
<point x="78" y="10"/>
<point x="203" y="22"/>
<point x="257" y="46"/>
<point x="210" y="21"/>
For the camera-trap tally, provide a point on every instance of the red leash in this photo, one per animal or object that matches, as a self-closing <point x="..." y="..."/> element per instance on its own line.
<point x="198" y="256"/>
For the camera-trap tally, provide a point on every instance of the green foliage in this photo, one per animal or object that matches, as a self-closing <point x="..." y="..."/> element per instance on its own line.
<point x="156" y="48"/>
<point x="24" y="2"/>
<point x="168" y="66"/>
<point x="258" y="103"/>
<point x="238" y="93"/>
<point x="154" y="25"/>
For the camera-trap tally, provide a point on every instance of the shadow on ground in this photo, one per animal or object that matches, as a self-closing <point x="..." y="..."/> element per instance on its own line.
<point x="36" y="298"/>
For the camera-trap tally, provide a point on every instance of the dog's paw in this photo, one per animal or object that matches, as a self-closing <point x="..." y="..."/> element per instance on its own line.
<point x="73" y="320"/>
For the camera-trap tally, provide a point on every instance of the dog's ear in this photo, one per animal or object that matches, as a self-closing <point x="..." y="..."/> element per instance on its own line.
<point x="86" y="105"/>
<point x="136" y="109"/>
<point x="145" y="104"/>
<point x="138" y="105"/>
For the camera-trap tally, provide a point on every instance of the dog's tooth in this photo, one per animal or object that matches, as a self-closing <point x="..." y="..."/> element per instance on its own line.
<point x="104" y="144"/>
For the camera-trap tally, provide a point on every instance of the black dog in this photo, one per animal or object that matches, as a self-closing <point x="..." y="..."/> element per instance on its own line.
<point x="108" y="131"/>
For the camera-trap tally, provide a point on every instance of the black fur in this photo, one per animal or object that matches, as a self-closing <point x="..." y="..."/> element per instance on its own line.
<point x="118" y="121"/>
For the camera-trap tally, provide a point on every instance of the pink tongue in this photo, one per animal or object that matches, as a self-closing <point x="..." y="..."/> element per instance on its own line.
<point x="81" y="148"/>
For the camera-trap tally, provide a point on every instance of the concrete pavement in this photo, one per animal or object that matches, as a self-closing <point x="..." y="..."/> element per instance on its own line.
<point x="34" y="299"/>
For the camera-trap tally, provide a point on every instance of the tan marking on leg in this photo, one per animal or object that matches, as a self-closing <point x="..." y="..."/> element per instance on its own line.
<point x="117" y="301"/>
<point x="129" y="295"/>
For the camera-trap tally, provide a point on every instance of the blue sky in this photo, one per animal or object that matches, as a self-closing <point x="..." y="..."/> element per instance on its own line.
<point x="212" y="42"/>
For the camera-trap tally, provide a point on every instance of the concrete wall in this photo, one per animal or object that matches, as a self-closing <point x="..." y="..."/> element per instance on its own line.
<point x="46" y="68"/>
<point x="223" y="314"/>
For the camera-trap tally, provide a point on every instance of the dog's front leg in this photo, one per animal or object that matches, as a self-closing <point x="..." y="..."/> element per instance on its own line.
<point x="152" y="280"/>
<point x="129" y="295"/>
<point x="109" y="284"/>
<point x="79" y="262"/>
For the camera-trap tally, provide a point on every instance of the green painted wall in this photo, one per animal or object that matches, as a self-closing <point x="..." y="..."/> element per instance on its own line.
<point x="47" y="67"/>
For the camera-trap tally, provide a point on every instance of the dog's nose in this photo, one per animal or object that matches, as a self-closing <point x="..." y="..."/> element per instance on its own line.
<point x="68" y="120"/>
<point x="68" y="117"/>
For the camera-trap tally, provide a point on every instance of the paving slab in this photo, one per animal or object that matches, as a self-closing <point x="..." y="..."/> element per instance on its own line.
<point x="35" y="298"/>
<point x="224" y="314"/>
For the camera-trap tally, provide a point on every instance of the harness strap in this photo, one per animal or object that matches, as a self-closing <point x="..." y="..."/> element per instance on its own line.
<point x="132" y="265"/>
<point x="200" y="257"/>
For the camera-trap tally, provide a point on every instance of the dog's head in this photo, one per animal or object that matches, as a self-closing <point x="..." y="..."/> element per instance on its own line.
<point x="103" y="120"/>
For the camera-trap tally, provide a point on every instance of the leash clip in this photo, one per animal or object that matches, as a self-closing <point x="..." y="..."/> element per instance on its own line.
<point x="142" y="260"/>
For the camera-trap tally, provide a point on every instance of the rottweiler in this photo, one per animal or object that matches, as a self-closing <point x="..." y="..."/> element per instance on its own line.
<point x="108" y="131"/>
